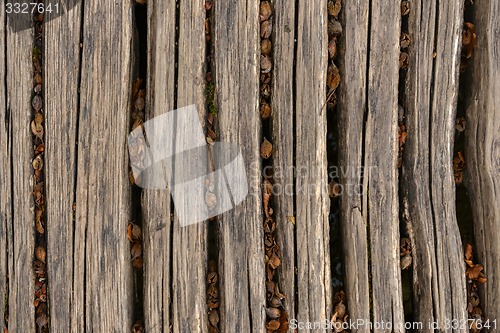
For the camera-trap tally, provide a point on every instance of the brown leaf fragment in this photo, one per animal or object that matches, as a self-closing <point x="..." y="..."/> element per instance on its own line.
<point x="334" y="8"/>
<point x="265" y="47"/>
<point x="265" y="110"/>
<point x="266" y="28"/>
<point x="134" y="232"/>
<point x="473" y="272"/>
<point x="272" y="325"/>
<point x="265" y="11"/>
<point x="406" y="262"/>
<point x="333" y="77"/>
<point x="332" y="47"/>
<point x="266" y="149"/>
<point x="334" y="27"/>
<point x="405" y="7"/>
<point x="405" y="40"/>
<point x="265" y="64"/>
<point x="403" y="60"/>
<point x="37" y="103"/>
<point x="273" y="313"/>
<point x="136" y="250"/>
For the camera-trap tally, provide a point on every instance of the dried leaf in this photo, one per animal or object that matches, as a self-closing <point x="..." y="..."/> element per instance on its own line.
<point x="265" y="11"/>
<point x="334" y="8"/>
<point x="265" y="110"/>
<point x="266" y="149"/>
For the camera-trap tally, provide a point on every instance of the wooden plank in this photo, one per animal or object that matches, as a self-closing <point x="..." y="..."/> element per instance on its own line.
<point x="450" y="259"/>
<point x="102" y="266"/>
<point x="439" y="285"/>
<point x="241" y="256"/>
<point x="416" y="159"/>
<point x="157" y="225"/>
<point x="313" y="204"/>
<point x="381" y="207"/>
<point x="282" y="119"/>
<point x="5" y="180"/>
<point x="21" y="250"/>
<point x="190" y="242"/>
<point x="353" y="66"/>
<point x="483" y="150"/>
<point x="62" y="65"/>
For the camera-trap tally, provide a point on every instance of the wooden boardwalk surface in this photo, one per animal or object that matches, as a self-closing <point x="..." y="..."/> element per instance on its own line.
<point x="92" y="56"/>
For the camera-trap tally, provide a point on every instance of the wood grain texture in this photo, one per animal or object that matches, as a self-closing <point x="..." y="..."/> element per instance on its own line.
<point x="21" y="249"/>
<point x="380" y="162"/>
<point x="313" y="204"/>
<point x="190" y="260"/>
<point x="103" y="191"/>
<point x="416" y="160"/>
<point x="450" y="263"/>
<point x="483" y="150"/>
<point x="282" y="118"/>
<point x="62" y="65"/>
<point x="241" y="236"/>
<point x="5" y="176"/>
<point x="353" y="64"/>
<point x="156" y="209"/>
<point x="429" y="190"/>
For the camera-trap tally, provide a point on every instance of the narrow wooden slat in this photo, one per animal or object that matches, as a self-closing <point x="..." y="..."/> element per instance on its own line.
<point x="428" y="188"/>
<point x="450" y="260"/>
<point x="157" y="226"/>
<point x="483" y="151"/>
<point x="5" y="180"/>
<point x="283" y="138"/>
<point x="20" y="83"/>
<point x="415" y="176"/>
<point x="380" y="174"/>
<point x="103" y="190"/>
<point x="353" y="63"/>
<point x="62" y="64"/>
<point x="241" y="256"/>
<point x="190" y="242"/>
<point x="313" y="204"/>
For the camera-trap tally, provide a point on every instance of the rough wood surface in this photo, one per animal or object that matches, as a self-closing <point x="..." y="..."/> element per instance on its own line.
<point x="62" y="65"/>
<point x="241" y="256"/>
<point x="353" y="64"/>
<point x="381" y="204"/>
<point x="483" y="151"/>
<point x="189" y="246"/>
<point x="429" y="190"/>
<point x="5" y="180"/>
<point x="313" y="204"/>
<point x="156" y="209"/>
<point x="415" y="175"/>
<point x="102" y="263"/>
<point x="21" y="249"/>
<point x="282" y="106"/>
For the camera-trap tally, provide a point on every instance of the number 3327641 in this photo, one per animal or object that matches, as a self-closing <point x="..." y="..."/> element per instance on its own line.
<point x="30" y="8"/>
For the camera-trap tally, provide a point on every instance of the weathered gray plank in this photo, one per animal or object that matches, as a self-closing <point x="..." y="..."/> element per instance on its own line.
<point x="450" y="261"/>
<point x="5" y="180"/>
<point x="483" y="150"/>
<point x="415" y="176"/>
<point x="282" y="118"/>
<point x="20" y="78"/>
<point x="353" y="64"/>
<point x="313" y="204"/>
<point x="62" y="64"/>
<point x="429" y="192"/>
<point x="190" y="261"/>
<point x="157" y="224"/>
<point x="102" y="264"/>
<point x="381" y="207"/>
<point x="241" y="256"/>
